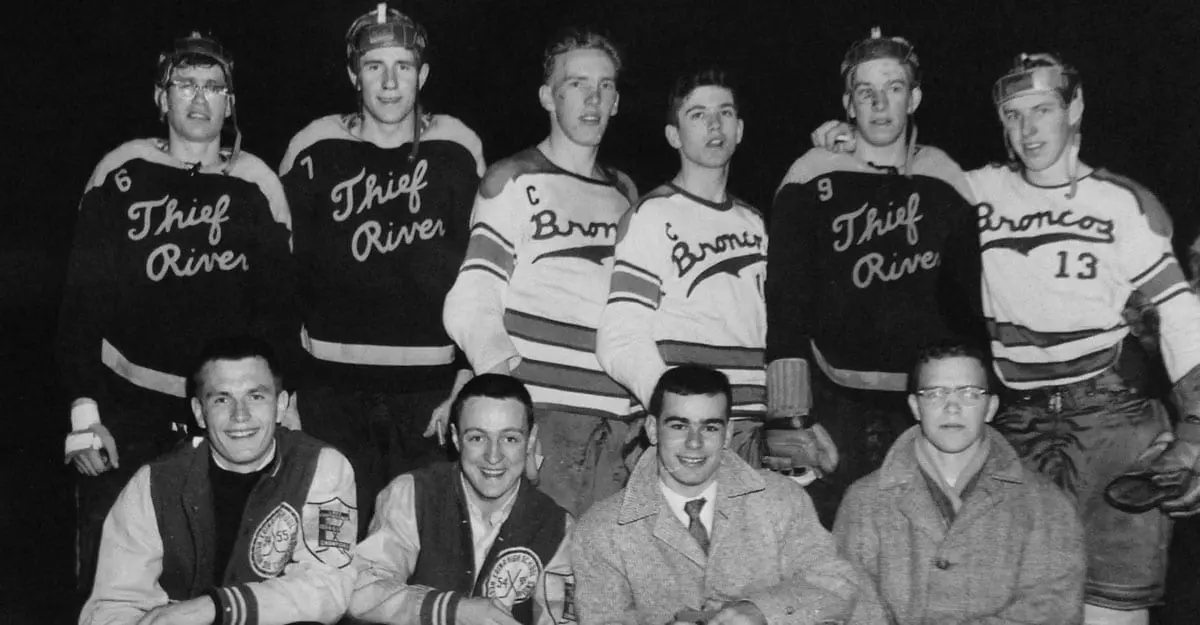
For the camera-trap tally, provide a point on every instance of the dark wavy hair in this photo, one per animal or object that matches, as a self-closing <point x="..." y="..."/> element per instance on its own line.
<point x="495" y="386"/>
<point x="691" y="380"/>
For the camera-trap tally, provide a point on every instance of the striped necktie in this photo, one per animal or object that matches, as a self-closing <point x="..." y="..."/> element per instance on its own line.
<point x="695" y="527"/>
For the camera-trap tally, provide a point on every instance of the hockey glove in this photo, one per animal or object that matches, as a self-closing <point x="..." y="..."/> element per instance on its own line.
<point x="1163" y="475"/>
<point x="93" y="450"/>
<point x="810" y="448"/>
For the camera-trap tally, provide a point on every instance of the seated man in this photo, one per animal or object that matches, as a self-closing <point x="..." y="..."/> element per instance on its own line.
<point x="952" y="528"/>
<point x="699" y="536"/>
<point x="470" y="542"/>
<point x="248" y="525"/>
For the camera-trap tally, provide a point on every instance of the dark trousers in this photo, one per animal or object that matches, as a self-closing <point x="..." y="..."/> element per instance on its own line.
<point x="380" y="433"/>
<point x="863" y="425"/>
<point x="142" y="423"/>
<point x="1082" y="436"/>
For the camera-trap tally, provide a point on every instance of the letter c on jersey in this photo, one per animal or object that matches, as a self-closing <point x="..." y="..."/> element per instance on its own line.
<point x="534" y="200"/>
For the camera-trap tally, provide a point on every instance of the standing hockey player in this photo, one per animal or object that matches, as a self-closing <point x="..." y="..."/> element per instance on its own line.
<point x="690" y="264"/>
<point x="382" y="200"/>
<point x="178" y="240"/>
<point x="530" y="292"/>
<point x="1064" y="245"/>
<point x="881" y="259"/>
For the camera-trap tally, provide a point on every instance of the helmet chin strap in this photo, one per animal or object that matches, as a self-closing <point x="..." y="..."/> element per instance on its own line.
<point x="912" y="148"/>
<point x="1073" y="163"/>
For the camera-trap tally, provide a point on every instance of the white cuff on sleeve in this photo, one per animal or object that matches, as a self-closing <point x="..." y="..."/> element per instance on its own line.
<point x="78" y="441"/>
<point x="84" y="414"/>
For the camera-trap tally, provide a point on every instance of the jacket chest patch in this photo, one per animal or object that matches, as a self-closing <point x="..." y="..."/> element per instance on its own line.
<point x="513" y="576"/>
<point x="274" y="541"/>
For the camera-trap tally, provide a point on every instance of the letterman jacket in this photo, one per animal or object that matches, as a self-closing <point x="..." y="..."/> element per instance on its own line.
<point x="418" y="561"/>
<point x="297" y="532"/>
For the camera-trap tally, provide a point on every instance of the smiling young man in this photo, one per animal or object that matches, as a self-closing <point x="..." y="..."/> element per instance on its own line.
<point x="689" y="266"/>
<point x="382" y="201"/>
<point x="1064" y="247"/>
<point x="471" y="542"/>
<point x="178" y="240"/>
<point x="881" y="258"/>
<point x="251" y="524"/>
<point x="952" y="528"/>
<point x="697" y="530"/>
<point x="530" y="293"/>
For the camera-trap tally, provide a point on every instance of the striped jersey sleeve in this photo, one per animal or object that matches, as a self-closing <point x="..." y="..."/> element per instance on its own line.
<point x="1149" y="262"/>
<point x="474" y="309"/>
<point x="625" y="343"/>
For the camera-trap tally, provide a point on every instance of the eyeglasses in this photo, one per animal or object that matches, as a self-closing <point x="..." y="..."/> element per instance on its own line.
<point x="187" y="89"/>
<point x="966" y="395"/>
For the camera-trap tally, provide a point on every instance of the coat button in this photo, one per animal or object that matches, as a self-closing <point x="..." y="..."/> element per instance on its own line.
<point x="942" y="563"/>
<point x="789" y="610"/>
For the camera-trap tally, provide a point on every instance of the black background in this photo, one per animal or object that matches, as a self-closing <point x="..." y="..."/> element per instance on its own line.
<point x="79" y="81"/>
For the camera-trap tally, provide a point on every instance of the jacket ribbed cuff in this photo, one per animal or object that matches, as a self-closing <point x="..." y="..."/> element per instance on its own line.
<point x="236" y="605"/>
<point x="438" y="608"/>
<point x="788" y="391"/>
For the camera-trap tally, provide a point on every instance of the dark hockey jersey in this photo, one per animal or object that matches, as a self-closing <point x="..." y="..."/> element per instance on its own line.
<point x="166" y="257"/>
<point x="867" y="266"/>
<point x="379" y="238"/>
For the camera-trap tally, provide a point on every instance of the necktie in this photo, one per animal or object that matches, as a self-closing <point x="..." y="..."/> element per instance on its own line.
<point x="695" y="527"/>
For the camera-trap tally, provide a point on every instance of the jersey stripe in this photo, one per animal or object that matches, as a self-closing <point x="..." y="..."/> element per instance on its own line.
<point x="1064" y="372"/>
<point x="749" y="394"/>
<point x="1154" y="268"/>
<point x="145" y="377"/>
<point x="681" y="352"/>
<point x="1013" y="335"/>
<point x="743" y="366"/>
<point x="377" y="355"/>
<point x="549" y="332"/>
<point x="488" y="250"/>
<point x="561" y="377"/>
<point x="635" y="287"/>
<point x="628" y="267"/>
<point x="1169" y="277"/>
<point x="558" y="364"/>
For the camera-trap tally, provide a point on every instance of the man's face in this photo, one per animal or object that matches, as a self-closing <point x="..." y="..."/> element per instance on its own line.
<point x="1037" y="127"/>
<point x="389" y="80"/>
<point x="690" y="434"/>
<point x="880" y="100"/>
<point x="199" y="118"/>
<point x="582" y="95"/>
<point x="493" y="439"/>
<point x="238" y="404"/>
<point x="709" y="129"/>
<point x="954" y="422"/>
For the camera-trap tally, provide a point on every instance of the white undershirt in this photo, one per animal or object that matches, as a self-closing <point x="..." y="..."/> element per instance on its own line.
<point x="675" y="502"/>
<point x="484" y="531"/>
